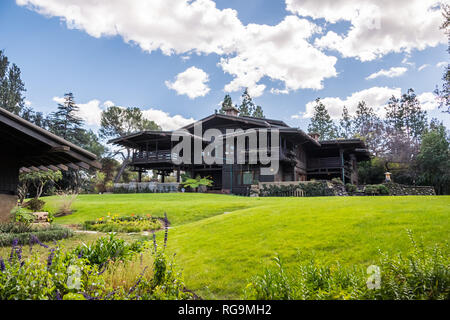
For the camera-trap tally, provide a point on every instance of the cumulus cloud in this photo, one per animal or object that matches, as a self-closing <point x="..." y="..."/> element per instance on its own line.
<point x="165" y="120"/>
<point x="279" y="52"/>
<point x="428" y="101"/>
<point x="249" y="53"/>
<point x="91" y="113"/>
<point x="375" y="97"/>
<point x="378" y="27"/>
<point x="391" y="73"/>
<point x="192" y="82"/>
<point x="442" y="64"/>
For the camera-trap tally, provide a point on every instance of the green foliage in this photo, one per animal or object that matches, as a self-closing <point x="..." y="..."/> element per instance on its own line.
<point x="19" y="214"/>
<point x="197" y="182"/>
<point x="34" y="204"/>
<point x="38" y="179"/>
<point x="11" y="86"/>
<point x="79" y="274"/>
<point x="248" y="107"/>
<point x="350" y="188"/>
<point x="310" y="189"/>
<point x="123" y="224"/>
<point x="23" y="234"/>
<point x="337" y="181"/>
<point x="433" y="160"/>
<point x="424" y="273"/>
<point x="108" y="248"/>
<point x="378" y="189"/>
<point x="321" y="122"/>
<point x="372" y="171"/>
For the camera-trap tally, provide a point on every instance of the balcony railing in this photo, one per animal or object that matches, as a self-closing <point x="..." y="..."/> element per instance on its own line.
<point x="154" y="156"/>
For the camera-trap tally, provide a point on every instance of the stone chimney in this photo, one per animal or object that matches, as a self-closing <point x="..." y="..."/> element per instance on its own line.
<point x="231" y="111"/>
<point x="315" y="136"/>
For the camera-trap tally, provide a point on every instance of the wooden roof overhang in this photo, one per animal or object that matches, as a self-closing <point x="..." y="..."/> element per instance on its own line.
<point x="140" y="139"/>
<point x="33" y="148"/>
<point x="355" y="146"/>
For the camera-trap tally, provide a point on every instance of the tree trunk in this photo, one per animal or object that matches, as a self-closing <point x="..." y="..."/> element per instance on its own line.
<point x="121" y="170"/>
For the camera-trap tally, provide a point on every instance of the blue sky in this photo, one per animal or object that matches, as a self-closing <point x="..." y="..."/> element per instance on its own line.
<point x="57" y="57"/>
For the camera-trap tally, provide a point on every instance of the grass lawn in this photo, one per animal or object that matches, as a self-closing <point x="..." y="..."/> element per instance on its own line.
<point x="219" y="252"/>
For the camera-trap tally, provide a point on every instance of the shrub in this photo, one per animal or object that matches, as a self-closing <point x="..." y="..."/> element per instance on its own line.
<point x="316" y="189"/>
<point x="24" y="236"/>
<point x="350" y="188"/>
<point x="65" y="202"/>
<point x="424" y="273"/>
<point x="19" y="214"/>
<point x="376" y="189"/>
<point x="73" y="276"/>
<point x="34" y="204"/>
<point x="337" y="181"/>
<point x="108" y="248"/>
<point x="382" y="189"/>
<point x="123" y="224"/>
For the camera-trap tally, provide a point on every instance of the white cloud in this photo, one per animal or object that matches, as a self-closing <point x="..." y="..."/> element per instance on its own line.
<point x="391" y="73"/>
<point x="91" y="113"/>
<point x="378" y="27"/>
<point x="249" y="53"/>
<point x="375" y="97"/>
<point x="192" y="82"/>
<point x="165" y="121"/>
<point x="423" y="67"/>
<point x="279" y="52"/>
<point x="442" y="64"/>
<point x="27" y="103"/>
<point x="428" y="101"/>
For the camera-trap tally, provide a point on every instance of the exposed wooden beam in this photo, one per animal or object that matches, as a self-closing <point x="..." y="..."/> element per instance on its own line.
<point x="73" y="166"/>
<point x="33" y="168"/>
<point x="43" y="168"/>
<point x="59" y="149"/>
<point x="24" y="169"/>
<point x="83" y="165"/>
<point x="62" y="167"/>
<point x="52" y="167"/>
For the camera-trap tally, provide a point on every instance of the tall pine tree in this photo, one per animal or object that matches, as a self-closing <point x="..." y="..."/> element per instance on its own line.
<point x="248" y="107"/>
<point x="226" y="103"/>
<point x="11" y="86"/>
<point x="321" y="122"/>
<point x="345" y="124"/>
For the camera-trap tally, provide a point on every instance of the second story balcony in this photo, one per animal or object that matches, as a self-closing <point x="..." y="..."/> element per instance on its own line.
<point x="160" y="156"/>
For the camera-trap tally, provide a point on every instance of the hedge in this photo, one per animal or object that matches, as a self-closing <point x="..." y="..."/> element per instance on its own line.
<point x="48" y="234"/>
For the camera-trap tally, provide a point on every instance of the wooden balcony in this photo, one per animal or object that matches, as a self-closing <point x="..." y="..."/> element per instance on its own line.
<point x="160" y="156"/>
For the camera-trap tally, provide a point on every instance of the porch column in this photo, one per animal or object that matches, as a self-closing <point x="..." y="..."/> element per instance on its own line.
<point x="140" y="176"/>
<point x="341" y="154"/>
<point x="178" y="175"/>
<point x="163" y="177"/>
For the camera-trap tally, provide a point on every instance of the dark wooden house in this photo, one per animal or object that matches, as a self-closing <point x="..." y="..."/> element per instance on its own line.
<point x="27" y="147"/>
<point x="302" y="157"/>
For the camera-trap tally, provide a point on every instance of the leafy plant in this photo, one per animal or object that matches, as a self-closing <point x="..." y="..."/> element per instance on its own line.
<point x="197" y="182"/>
<point x="65" y="201"/>
<point x="350" y="187"/>
<point x="114" y="223"/>
<point x="24" y="234"/>
<point x="424" y="273"/>
<point x="19" y="214"/>
<point x="34" y="204"/>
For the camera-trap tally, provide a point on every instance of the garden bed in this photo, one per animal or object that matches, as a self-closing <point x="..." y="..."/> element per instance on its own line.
<point x="24" y="234"/>
<point x="127" y="224"/>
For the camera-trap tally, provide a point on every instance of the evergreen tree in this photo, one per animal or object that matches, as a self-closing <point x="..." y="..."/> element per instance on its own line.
<point x="226" y="103"/>
<point x="65" y="122"/>
<point x="248" y="107"/>
<point x="11" y="86"/>
<point x="444" y="93"/>
<point x="405" y="115"/>
<point x="321" y="122"/>
<point x="345" y="124"/>
<point x="369" y="127"/>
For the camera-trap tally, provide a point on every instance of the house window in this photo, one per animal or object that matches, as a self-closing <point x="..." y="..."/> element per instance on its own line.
<point x="247" y="177"/>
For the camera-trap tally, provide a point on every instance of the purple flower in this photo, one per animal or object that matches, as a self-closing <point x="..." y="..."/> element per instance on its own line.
<point x="2" y="265"/>
<point x="154" y="242"/>
<point x="50" y="258"/>
<point x="80" y="254"/>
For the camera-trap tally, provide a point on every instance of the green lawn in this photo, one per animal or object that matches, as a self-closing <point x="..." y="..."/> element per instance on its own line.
<point x="219" y="252"/>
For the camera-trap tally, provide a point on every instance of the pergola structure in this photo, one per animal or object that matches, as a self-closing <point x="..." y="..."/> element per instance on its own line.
<point x="26" y="147"/>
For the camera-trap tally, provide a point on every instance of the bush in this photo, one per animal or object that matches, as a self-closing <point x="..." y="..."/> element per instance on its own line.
<point x="34" y="204"/>
<point x="424" y="273"/>
<point x="376" y="189"/>
<point x="24" y="235"/>
<point x="123" y="224"/>
<point x="350" y="188"/>
<point x="337" y="181"/>
<point x="73" y="275"/>
<point x="65" y="202"/>
<point x="108" y="248"/>
<point x="316" y="189"/>
<point x="19" y="214"/>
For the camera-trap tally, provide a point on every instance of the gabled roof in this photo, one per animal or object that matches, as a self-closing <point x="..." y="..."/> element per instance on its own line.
<point x="36" y="148"/>
<point x="260" y="122"/>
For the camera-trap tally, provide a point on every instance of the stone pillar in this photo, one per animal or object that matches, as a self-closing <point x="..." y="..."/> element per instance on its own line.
<point x="7" y="203"/>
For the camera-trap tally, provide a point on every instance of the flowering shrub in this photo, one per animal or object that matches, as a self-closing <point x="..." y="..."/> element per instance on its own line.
<point x="422" y="274"/>
<point x="114" y="223"/>
<point x="76" y="275"/>
<point x="23" y="233"/>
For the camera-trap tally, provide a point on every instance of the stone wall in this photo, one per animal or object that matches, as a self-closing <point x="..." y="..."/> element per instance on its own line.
<point x="146" y="187"/>
<point x="396" y="189"/>
<point x="7" y="203"/>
